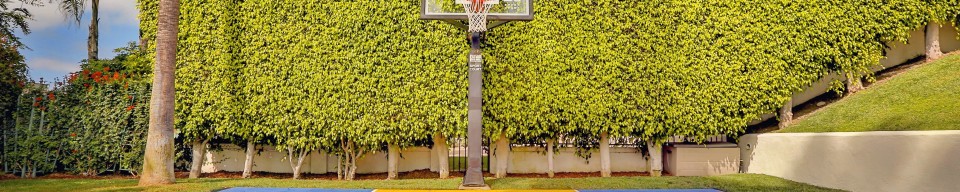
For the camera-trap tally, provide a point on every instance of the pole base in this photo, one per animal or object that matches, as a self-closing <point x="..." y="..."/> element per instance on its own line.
<point x="464" y="187"/>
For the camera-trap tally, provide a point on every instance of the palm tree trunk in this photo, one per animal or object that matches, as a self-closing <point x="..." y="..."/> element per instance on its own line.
<point x="94" y="37"/>
<point x="158" y="157"/>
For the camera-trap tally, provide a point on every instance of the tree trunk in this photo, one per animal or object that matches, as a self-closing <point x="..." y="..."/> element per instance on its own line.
<point x="786" y="114"/>
<point x="352" y="168"/>
<point x="158" y="157"/>
<point x="503" y="155"/>
<point x="340" y="167"/>
<point x="854" y="83"/>
<point x="33" y="170"/>
<point x="393" y="159"/>
<point x="605" y="155"/>
<point x="248" y="161"/>
<point x="196" y="164"/>
<point x="3" y="155"/>
<point x="933" y="41"/>
<point x="298" y="163"/>
<point x="94" y="37"/>
<point x="656" y="159"/>
<point x="443" y="155"/>
<point x="550" y="172"/>
<point x="349" y="163"/>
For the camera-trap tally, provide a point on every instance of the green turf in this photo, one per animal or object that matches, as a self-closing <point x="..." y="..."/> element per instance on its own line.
<point x="926" y="97"/>
<point x="740" y="182"/>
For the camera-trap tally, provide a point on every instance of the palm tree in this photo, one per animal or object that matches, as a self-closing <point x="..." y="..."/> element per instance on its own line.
<point x="74" y="9"/>
<point x="158" y="158"/>
<point x="12" y="20"/>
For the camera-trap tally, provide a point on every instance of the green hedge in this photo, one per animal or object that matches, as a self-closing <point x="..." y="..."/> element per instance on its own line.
<point x="89" y="122"/>
<point x="322" y="74"/>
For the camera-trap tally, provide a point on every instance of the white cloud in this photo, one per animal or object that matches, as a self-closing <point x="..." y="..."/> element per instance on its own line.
<point x="119" y="12"/>
<point x="53" y="65"/>
<point x="112" y="12"/>
<point x="46" y="16"/>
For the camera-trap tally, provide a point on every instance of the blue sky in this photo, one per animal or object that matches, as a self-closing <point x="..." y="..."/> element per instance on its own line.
<point x="58" y="44"/>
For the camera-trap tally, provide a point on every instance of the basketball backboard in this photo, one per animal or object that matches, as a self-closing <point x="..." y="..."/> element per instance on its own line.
<point x="502" y="10"/>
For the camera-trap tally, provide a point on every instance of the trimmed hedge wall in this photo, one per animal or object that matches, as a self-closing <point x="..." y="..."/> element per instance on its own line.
<point x="349" y="76"/>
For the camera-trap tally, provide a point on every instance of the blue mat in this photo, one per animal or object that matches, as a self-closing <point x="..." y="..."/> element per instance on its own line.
<point x="254" y="189"/>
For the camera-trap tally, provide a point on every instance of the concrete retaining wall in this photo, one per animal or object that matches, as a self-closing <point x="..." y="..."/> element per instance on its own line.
<point x="702" y="160"/>
<point x="858" y="161"/>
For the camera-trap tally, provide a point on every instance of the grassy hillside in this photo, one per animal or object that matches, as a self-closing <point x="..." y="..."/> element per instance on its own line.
<point x="926" y="97"/>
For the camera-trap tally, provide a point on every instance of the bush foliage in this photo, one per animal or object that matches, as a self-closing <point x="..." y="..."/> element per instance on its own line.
<point x="89" y="122"/>
<point x="349" y="76"/>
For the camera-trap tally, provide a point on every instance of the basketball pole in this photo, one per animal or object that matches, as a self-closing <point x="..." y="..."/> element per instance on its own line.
<point x="474" y="175"/>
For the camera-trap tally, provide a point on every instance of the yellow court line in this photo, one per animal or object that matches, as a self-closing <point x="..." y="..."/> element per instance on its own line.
<point x="406" y="190"/>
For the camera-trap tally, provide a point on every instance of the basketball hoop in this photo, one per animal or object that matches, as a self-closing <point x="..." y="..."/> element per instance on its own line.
<point x="477" y="11"/>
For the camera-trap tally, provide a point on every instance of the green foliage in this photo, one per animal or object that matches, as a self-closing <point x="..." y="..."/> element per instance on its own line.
<point x="944" y="10"/>
<point x="104" y="112"/>
<point x="652" y="69"/>
<point x="13" y="20"/>
<point x="91" y="121"/>
<point x="206" y="73"/>
<point x="13" y="78"/>
<point x="315" y="81"/>
<point x="322" y="74"/>
<point x="27" y="146"/>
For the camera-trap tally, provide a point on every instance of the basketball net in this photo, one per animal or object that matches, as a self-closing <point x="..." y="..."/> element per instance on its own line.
<point x="477" y="15"/>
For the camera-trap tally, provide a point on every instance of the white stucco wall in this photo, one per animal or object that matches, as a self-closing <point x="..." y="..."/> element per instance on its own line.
<point x="858" y="161"/>
<point x="948" y="38"/>
<point x="534" y="160"/>
<point x="231" y="159"/>
<point x="523" y="160"/>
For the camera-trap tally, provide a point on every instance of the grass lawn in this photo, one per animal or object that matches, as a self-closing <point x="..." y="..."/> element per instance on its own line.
<point x="740" y="182"/>
<point x="926" y="97"/>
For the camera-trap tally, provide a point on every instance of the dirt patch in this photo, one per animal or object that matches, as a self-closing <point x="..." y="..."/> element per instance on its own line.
<point x="74" y="176"/>
<point x="8" y="176"/>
